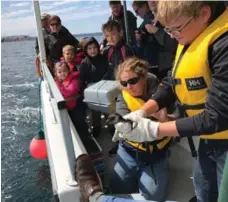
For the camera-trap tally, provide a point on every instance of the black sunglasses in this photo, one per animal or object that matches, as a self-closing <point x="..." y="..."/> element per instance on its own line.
<point x="54" y="24"/>
<point x="131" y="81"/>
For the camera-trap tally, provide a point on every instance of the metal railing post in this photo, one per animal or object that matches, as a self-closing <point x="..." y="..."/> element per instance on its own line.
<point x="40" y="36"/>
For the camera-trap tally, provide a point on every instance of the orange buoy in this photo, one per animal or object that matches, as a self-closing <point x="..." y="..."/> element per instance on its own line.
<point x="38" y="147"/>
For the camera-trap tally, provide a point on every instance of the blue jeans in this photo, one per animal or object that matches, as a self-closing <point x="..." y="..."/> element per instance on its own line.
<point x="105" y="198"/>
<point x="131" y="177"/>
<point x="207" y="172"/>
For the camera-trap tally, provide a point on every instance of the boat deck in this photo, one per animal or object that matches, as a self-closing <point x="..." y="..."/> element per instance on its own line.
<point x="180" y="176"/>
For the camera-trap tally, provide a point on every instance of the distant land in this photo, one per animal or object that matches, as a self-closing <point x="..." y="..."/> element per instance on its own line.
<point x="17" y="38"/>
<point x="30" y="38"/>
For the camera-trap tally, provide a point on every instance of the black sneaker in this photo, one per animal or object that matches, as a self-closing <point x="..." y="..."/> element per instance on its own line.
<point x="113" y="151"/>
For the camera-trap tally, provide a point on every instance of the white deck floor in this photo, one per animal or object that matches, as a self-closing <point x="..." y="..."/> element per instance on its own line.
<point x="181" y="163"/>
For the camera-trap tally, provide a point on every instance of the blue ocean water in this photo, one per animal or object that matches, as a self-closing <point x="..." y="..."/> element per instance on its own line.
<point x="24" y="179"/>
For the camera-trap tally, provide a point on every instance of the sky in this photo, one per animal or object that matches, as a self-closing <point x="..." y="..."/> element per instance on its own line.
<point x="79" y="16"/>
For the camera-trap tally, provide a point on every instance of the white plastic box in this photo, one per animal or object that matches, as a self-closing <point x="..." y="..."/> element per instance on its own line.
<point x="101" y="96"/>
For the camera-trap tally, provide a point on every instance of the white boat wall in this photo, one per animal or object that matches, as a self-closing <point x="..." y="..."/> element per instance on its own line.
<point x="64" y="145"/>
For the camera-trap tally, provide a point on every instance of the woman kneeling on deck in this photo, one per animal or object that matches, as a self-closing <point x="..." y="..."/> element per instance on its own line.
<point x="140" y="166"/>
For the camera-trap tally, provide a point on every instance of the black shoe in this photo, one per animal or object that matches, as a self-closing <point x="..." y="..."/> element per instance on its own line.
<point x="87" y="177"/>
<point x="113" y="151"/>
<point x="193" y="199"/>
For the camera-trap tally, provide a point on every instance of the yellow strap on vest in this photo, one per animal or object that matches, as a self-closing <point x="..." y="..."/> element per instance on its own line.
<point x="193" y="71"/>
<point x="134" y="104"/>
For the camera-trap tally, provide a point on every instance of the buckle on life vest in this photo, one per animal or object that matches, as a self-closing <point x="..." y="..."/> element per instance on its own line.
<point x="151" y="146"/>
<point x="175" y="81"/>
<point x="141" y="146"/>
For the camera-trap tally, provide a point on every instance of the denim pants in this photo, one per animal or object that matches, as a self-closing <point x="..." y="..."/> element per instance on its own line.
<point x="149" y="179"/>
<point x="207" y="172"/>
<point x="106" y="198"/>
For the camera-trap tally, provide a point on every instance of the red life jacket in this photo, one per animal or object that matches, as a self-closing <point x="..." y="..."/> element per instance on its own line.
<point x="80" y="55"/>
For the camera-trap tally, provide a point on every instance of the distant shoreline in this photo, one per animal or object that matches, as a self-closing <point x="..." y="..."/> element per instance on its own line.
<point x="31" y="38"/>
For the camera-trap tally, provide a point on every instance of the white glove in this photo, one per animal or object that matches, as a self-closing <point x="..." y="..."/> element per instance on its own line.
<point x="144" y="130"/>
<point x="117" y="136"/>
<point x="122" y="128"/>
<point x="126" y="127"/>
<point x="136" y="114"/>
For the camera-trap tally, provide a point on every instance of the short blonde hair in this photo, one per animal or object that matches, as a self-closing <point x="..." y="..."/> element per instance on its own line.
<point x="133" y="64"/>
<point x="171" y="10"/>
<point x="68" y="48"/>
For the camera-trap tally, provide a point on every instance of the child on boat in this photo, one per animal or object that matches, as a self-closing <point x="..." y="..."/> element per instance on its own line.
<point x="117" y="50"/>
<point x="93" y="69"/>
<point x="68" y="84"/>
<point x="71" y="58"/>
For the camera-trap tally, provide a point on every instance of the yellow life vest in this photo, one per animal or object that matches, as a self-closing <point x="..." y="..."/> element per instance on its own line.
<point x="134" y="104"/>
<point x="191" y="73"/>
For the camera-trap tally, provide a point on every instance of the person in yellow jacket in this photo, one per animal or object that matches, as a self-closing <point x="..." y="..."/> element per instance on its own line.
<point x="140" y="167"/>
<point x="199" y="82"/>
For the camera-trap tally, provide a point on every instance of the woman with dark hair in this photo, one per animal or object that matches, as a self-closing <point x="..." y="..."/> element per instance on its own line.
<point x="58" y="38"/>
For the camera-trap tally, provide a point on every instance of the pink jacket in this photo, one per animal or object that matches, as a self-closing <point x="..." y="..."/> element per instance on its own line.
<point x="70" y="89"/>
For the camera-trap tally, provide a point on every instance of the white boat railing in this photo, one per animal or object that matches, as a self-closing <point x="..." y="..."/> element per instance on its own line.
<point x="57" y="101"/>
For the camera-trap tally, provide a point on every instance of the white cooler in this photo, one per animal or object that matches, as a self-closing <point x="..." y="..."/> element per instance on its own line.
<point x="101" y="96"/>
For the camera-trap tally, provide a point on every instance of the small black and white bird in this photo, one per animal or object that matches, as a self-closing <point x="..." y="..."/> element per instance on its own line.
<point x="115" y="118"/>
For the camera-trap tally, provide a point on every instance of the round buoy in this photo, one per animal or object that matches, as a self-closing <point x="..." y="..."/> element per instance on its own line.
<point x="38" y="147"/>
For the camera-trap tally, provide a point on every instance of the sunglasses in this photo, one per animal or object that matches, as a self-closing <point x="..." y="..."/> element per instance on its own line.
<point x="54" y="24"/>
<point x="131" y="81"/>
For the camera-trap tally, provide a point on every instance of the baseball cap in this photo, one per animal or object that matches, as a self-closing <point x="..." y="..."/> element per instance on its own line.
<point x="45" y="15"/>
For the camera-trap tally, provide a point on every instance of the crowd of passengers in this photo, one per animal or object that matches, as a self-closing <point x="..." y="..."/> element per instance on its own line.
<point x="77" y="64"/>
